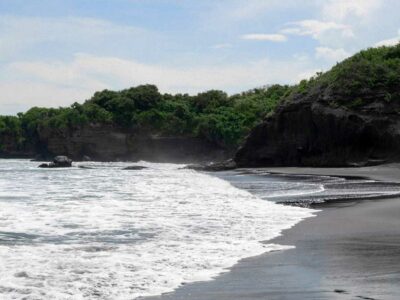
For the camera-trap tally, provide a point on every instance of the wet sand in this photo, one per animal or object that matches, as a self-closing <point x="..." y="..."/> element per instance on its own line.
<point x="388" y="172"/>
<point x="350" y="250"/>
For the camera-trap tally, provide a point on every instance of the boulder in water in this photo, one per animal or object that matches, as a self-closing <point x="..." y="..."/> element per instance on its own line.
<point x="135" y="168"/>
<point x="60" y="161"/>
<point x="229" y="164"/>
<point x="85" y="167"/>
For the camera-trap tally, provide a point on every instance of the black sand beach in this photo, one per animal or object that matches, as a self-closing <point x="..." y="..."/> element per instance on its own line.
<point x="350" y="250"/>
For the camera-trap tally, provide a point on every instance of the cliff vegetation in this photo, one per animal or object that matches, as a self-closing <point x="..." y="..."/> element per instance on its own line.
<point x="213" y="115"/>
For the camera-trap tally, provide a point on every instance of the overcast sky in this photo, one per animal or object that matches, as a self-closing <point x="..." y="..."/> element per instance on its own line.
<point x="53" y="52"/>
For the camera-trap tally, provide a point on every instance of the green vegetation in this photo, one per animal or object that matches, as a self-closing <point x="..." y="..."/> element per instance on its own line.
<point x="368" y="76"/>
<point x="10" y="129"/>
<point x="212" y="115"/>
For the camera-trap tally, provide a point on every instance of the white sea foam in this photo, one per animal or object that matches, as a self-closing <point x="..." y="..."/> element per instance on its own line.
<point x="107" y="233"/>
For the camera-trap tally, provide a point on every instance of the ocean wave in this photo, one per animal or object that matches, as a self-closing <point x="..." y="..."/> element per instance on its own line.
<point x="104" y="233"/>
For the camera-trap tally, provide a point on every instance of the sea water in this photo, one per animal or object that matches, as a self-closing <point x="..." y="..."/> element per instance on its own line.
<point x="107" y="233"/>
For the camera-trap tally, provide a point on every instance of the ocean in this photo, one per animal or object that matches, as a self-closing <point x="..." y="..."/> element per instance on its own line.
<point x="102" y="232"/>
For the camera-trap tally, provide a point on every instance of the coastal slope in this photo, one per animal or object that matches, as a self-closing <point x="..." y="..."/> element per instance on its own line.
<point x="348" y="116"/>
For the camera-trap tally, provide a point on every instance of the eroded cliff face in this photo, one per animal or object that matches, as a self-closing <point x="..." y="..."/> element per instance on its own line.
<point x="11" y="147"/>
<point x="314" y="132"/>
<point x="108" y="143"/>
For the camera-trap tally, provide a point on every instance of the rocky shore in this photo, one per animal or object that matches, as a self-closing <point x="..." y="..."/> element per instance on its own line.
<point x="309" y="131"/>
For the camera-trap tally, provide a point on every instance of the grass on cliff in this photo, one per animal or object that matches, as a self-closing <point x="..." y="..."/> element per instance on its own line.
<point x="369" y="76"/>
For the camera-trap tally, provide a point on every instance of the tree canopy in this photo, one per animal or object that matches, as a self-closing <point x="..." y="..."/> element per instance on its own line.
<point x="212" y="115"/>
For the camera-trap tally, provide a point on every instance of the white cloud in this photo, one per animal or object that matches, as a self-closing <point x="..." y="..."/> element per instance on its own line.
<point x="96" y="71"/>
<point x="389" y="42"/>
<point x="316" y="28"/>
<point x="329" y="54"/>
<point x="264" y="37"/>
<point x="342" y="9"/>
<point x="62" y="83"/>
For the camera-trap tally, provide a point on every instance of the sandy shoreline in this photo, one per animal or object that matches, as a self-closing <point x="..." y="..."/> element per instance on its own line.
<point x="388" y="172"/>
<point x="350" y="250"/>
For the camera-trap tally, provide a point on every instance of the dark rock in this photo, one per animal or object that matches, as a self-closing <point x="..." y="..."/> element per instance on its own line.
<point x="62" y="161"/>
<point x="340" y="291"/>
<point x="10" y="146"/>
<point x="229" y="164"/>
<point x="368" y="163"/>
<point x="134" y="168"/>
<point x="107" y="142"/>
<point x="336" y="119"/>
<point x="197" y="167"/>
<point x="58" y="162"/>
<point x="21" y="274"/>
<point x="375" y="162"/>
<point x="310" y="132"/>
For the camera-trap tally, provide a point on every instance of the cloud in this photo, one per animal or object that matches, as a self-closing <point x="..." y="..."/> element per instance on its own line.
<point x="389" y="42"/>
<point x="265" y="37"/>
<point x="61" y="83"/>
<point x="316" y="28"/>
<point x="334" y="55"/>
<point x="343" y="9"/>
<point x="96" y="71"/>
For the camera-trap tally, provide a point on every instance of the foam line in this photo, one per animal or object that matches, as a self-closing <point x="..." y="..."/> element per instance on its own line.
<point x="105" y="233"/>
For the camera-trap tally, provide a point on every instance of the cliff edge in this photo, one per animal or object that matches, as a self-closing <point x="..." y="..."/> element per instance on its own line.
<point x="348" y="116"/>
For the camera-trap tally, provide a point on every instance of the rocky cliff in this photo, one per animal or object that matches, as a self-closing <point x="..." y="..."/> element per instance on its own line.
<point x="315" y="134"/>
<point x="108" y="142"/>
<point x="349" y="116"/>
<point x="11" y="147"/>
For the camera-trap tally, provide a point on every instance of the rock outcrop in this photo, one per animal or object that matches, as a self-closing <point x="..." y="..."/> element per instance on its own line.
<point x="348" y="116"/>
<point x="60" y="161"/>
<point x="312" y="132"/>
<point x="11" y="147"/>
<point x="110" y="143"/>
<point x="135" y="168"/>
<point x="229" y="164"/>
